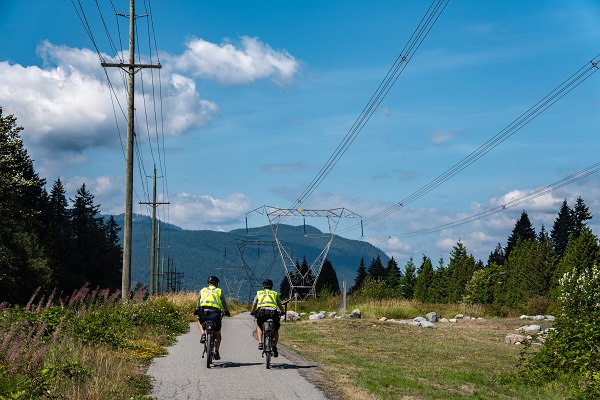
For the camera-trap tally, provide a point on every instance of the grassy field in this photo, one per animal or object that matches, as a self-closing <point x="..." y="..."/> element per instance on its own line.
<point x="371" y="359"/>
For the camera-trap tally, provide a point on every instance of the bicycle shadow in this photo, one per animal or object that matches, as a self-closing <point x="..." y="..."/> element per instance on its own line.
<point x="290" y="366"/>
<point x="229" y="364"/>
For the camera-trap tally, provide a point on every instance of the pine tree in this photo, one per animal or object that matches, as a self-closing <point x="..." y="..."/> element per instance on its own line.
<point x="23" y="202"/>
<point x="376" y="270"/>
<point x="393" y="275"/>
<point x="581" y="214"/>
<point x="523" y="230"/>
<point x="58" y="230"/>
<point x="530" y="267"/>
<point x="284" y="287"/>
<point x="438" y="291"/>
<point x="113" y="256"/>
<point x="328" y="280"/>
<point x="407" y="283"/>
<point x="564" y="226"/>
<point x="424" y="280"/>
<point x="459" y="272"/>
<point x="497" y="256"/>
<point x="87" y="243"/>
<point x="361" y="274"/>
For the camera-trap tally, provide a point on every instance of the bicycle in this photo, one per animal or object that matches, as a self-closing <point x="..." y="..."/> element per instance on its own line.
<point x="268" y="329"/>
<point x="209" y="344"/>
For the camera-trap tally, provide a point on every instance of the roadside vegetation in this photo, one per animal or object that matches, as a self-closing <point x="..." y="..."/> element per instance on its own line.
<point x="90" y="345"/>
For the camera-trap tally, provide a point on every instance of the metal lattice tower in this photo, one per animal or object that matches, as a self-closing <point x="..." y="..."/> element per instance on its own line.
<point x="303" y="282"/>
<point x="254" y="273"/>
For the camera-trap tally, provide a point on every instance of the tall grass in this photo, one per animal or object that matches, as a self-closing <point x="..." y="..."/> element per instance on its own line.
<point x="87" y="345"/>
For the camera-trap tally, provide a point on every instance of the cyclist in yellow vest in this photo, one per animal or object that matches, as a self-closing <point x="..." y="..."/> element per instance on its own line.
<point x="266" y="302"/>
<point x="210" y="307"/>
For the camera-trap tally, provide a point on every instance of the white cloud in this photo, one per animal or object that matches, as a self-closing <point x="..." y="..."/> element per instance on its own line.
<point x="231" y="65"/>
<point x="442" y="136"/>
<point x="192" y="211"/>
<point x="66" y="106"/>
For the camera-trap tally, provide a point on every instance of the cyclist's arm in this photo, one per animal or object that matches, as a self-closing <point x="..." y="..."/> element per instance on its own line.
<point x="253" y="309"/>
<point x="279" y="304"/>
<point x="224" y="303"/>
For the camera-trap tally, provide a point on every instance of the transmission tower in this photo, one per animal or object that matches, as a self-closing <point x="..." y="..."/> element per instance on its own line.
<point x="303" y="282"/>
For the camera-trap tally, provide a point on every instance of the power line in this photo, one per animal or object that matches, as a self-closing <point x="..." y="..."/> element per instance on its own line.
<point x="584" y="173"/>
<point x="558" y="93"/>
<point x="413" y="44"/>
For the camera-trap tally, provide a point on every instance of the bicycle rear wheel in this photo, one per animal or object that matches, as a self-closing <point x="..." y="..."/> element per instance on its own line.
<point x="268" y="351"/>
<point x="210" y="343"/>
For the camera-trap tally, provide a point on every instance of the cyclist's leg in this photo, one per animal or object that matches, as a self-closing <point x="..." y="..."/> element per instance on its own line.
<point x="219" y="325"/>
<point x="259" y="332"/>
<point x="217" y="340"/>
<point x="276" y="331"/>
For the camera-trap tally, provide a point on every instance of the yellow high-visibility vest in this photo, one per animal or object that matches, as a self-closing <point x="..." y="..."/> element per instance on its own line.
<point x="211" y="297"/>
<point x="266" y="298"/>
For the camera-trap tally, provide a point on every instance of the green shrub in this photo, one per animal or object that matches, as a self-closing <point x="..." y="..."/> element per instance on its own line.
<point x="537" y="305"/>
<point x="571" y="351"/>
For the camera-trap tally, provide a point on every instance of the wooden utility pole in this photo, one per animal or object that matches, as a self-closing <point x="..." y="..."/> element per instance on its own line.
<point x="153" y="269"/>
<point x="130" y="68"/>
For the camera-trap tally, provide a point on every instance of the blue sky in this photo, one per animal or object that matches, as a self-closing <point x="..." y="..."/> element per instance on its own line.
<point x="254" y="97"/>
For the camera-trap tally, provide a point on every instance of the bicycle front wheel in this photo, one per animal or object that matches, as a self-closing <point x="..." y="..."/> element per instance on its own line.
<point x="210" y="342"/>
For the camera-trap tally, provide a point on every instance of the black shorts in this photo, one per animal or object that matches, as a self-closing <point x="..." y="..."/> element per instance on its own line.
<point x="211" y="314"/>
<point x="263" y="315"/>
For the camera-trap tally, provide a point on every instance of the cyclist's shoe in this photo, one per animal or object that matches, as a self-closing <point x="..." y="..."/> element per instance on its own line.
<point x="275" y="352"/>
<point x="217" y="355"/>
<point x="203" y="338"/>
<point x="260" y="346"/>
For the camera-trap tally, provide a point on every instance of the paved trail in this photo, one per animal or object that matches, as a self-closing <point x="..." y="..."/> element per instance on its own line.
<point x="240" y="374"/>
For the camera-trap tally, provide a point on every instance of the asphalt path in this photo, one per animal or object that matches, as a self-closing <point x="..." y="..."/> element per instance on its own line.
<point x="239" y="374"/>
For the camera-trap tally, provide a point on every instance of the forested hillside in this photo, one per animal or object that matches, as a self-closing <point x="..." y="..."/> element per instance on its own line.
<point x="198" y="254"/>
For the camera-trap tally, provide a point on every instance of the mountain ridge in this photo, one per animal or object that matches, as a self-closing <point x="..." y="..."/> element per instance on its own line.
<point x="240" y="257"/>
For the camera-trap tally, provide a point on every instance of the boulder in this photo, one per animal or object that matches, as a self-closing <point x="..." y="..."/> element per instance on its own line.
<point x="432" y="317"/>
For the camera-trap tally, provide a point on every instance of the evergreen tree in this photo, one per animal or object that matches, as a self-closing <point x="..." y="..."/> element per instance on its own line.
<point x="529" y="266"/>
<point x="23" y="201"/>
<point x="497" y="256"/>
<point x="328" y="280"/>
<point x="581" y="214"/>
<point x="424" y="280"/>
<point x="564" y="226"/>
<point x="58" y="230"/>
<point x="459" y="272"/>
<point x="407" y="283"/>
<point x="376" y="270"/>
<point x="113" y="256"/>
<point x="438" y="290"/>
<point x="284" y="287"/>
<point x="523" y="230"/>
<point x="361" y="274"/>
<point x="393" y="275"/>
<point x="88" y="244"/>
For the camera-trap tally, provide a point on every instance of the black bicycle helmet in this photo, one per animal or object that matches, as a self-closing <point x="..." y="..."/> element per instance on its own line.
<point x="268" y="284"/>
<point x="213" y="280"/>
